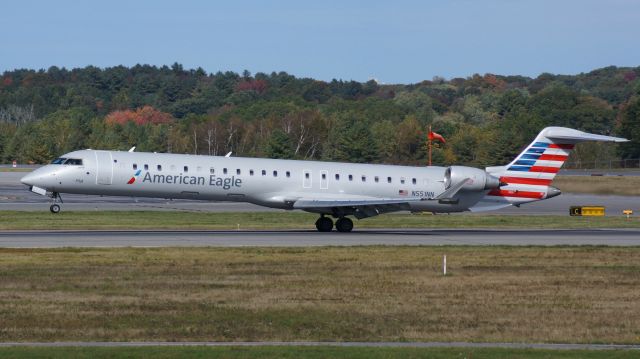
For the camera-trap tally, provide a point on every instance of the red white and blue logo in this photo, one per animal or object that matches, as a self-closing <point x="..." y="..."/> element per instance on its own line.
<point x="133" y="178"/>
<point x="533" y="170"/>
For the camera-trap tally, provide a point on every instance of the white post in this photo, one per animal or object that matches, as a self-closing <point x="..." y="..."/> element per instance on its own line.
<point x="444" y="265"/>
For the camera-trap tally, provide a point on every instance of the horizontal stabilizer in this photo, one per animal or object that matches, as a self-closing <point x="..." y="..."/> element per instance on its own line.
<point x="571" y="135"/>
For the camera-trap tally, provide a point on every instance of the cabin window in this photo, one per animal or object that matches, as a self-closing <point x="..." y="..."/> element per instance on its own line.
<point x="388" y="179"/>
<point x="173" y="168"/>
<point x="288" y="174"/>
<point x="337" y="177"/>
<point x="413" y="180"/>
<point x="250" y="172"/>
<point x="264" y="172"/>
<point x="146" y="167"/>
<point x="135" y="166"/>
<point x="238" y="171"/>
<point x="114" y="161"/>
<point x="186" y="169"/>
<point x="224" y="170"/>
<point x="402" y="180"/>
<point x="306" y="175"/>
<point x="159" y="168"/>
<point x="364" y="178"/>
<point x="199" y="169"/>
<point x="350" y="177"/>
<point x="275" y="173"/>
<point x="212" y="170"/>
<point x="324" y="176"/>
<point x="376" y="179"/>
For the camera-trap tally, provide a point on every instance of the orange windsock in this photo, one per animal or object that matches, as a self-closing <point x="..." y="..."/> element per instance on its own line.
<point x="435" y="136"/>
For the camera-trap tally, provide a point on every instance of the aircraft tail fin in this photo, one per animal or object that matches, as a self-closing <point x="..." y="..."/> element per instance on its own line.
<point x="529" y="175"/>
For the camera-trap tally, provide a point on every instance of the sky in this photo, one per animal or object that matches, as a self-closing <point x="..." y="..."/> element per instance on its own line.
<point x="389" y="41"/>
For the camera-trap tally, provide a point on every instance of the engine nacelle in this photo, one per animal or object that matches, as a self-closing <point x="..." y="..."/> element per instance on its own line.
<point x="478" y="180"/>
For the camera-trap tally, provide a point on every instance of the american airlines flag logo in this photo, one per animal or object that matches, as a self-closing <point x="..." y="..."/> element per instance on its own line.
<point x="403" y="192"/>
<point x="133" y="178"/>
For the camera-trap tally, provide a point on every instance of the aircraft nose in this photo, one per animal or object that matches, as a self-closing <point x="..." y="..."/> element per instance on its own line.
<point x="29" y="179"/>
<point x="42" y="177"/>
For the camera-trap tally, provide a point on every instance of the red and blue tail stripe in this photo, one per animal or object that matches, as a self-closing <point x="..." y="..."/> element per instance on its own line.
<point x="531" y="173"/>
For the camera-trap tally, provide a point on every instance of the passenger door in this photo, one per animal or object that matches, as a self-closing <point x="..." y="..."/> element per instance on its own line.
<point x="104" y="168"/>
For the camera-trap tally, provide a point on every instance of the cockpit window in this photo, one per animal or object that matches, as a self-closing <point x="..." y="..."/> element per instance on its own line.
<point x="58" y="161"/>
<point x="73" y="162"/>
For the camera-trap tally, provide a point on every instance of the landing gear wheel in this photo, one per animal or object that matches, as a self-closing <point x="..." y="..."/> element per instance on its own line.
<point x="324" y="224"/>
<point x="344" y="224"/>
<point x="54" y="208"/>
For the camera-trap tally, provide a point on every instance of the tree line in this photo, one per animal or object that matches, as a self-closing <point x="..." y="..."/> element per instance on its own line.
<point x="486" y="119"/>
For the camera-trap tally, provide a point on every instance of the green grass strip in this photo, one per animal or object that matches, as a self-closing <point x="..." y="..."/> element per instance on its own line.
<point x="19" y="220"/>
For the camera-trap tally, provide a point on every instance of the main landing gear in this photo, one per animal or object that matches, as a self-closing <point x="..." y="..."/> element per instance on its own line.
<point x="325" y="224"/>
<point x="55" y="207"/>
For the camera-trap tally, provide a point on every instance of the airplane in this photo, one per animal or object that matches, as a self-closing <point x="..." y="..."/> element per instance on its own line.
<point x="330" y="189"/>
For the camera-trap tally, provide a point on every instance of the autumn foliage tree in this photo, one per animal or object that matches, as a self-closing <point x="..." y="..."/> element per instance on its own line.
<point x="141" y="116"/>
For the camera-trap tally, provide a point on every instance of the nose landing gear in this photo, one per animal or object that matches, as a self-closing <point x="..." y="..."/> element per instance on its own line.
<point x="55" y="208"/>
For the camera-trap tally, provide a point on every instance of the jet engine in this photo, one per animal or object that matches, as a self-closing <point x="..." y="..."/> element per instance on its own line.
<point x="476" y="179"/>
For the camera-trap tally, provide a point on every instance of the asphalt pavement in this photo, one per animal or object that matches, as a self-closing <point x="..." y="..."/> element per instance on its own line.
<point x="297" y="238"/>
<point x="545" y="346"/>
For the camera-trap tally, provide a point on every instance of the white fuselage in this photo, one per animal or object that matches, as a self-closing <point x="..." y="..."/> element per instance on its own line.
<point x="267" y="182"/>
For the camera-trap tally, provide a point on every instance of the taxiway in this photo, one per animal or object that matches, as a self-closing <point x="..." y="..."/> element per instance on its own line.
<point x="364" y="237"/>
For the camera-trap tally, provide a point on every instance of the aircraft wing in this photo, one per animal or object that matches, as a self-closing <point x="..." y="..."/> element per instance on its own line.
<point x="359" y="207"/>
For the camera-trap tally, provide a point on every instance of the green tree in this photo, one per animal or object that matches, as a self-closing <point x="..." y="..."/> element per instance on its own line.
<point x="629" y="127"/>
<point x="279" y="145"/>
<point x="350" y="140"/>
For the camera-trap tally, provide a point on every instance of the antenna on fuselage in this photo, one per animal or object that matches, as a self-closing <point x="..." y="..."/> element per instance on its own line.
<point x="228" y="154"/>
<point x="132" y="149"/>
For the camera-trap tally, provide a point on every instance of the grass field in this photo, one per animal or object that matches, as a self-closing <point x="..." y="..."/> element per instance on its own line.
<point x="15" y="220"/>
<point x="492" y="294"/>
<point x="297" y="352"/>
<point x="11" y="169"/>
<point x="605" y="185"/>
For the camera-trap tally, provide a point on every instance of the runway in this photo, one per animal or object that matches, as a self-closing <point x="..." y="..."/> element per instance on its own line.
<point x="541" y="346"/>
<point x="364" y="237"/>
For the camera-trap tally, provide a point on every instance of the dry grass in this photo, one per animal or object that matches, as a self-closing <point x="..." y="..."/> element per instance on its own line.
<point x="584" y="294"/>
<point x="605" y="185"/>
<point x="316" y="352"/>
